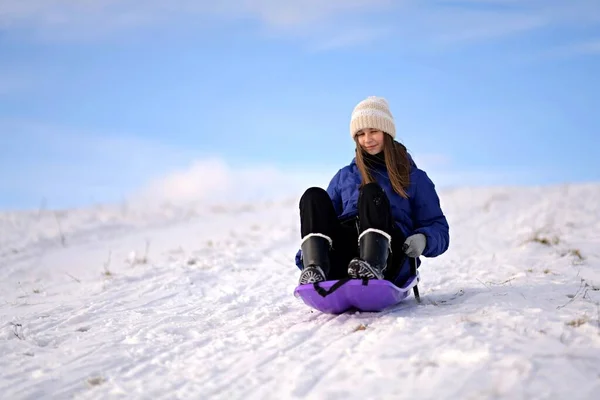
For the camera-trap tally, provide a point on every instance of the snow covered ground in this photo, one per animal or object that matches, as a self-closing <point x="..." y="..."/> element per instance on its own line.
<point x="196" y="302"/>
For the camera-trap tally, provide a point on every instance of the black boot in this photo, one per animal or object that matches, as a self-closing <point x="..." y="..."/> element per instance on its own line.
<point x="315" y="258"/>
<point x="374" y="246"/>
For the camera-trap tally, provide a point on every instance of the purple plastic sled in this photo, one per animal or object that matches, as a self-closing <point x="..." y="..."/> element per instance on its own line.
<point x="369" y="295"/>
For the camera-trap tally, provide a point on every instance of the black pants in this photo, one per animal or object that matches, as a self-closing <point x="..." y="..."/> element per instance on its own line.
<point x="317" y="215"/>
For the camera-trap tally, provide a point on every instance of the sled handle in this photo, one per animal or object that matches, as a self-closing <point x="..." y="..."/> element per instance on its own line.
<point x="413" y="270"/>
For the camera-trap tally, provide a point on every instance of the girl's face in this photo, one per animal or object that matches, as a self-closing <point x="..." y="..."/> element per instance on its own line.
<point x="371" y="140"/>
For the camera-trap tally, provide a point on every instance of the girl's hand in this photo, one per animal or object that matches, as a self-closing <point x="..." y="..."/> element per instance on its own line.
<point x="414" y="245"/>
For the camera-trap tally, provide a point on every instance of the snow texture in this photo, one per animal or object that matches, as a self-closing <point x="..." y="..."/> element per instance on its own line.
<point x="196" y="302"/>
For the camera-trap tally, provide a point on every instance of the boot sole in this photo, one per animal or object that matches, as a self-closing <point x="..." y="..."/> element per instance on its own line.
<point x="358" y="269"/>
<point x="311" y="275"/>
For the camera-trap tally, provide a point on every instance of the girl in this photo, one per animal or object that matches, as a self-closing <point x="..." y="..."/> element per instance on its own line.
<point x="376" y="212"/>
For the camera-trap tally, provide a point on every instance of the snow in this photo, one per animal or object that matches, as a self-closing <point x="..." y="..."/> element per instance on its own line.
<point x="196" y="302"/>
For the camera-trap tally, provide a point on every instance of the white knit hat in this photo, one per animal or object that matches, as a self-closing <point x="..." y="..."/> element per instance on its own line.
<point x="372" y="112"/>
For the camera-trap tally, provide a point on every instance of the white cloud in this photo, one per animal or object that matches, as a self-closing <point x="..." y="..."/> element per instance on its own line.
<point x="67" y="167"/>
<point x="327" y="24"/>
<point x="212" y="180"/>
<point x="75" y="21"/>
<point x="448" y="172"/>
<point x="485" y="176"/>
<point x="109" y="15"/>
<point x="301" y="12"/>
<point x="445" y="24"/>
<point x="432" y="160"/>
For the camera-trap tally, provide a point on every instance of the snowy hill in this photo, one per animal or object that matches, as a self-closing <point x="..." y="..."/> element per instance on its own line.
<point x="196" y="302"/>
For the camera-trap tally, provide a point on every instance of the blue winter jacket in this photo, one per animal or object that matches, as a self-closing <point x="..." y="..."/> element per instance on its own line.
<point x="420" y="213"/>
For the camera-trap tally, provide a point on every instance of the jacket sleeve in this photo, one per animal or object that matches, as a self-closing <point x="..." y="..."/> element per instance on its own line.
<point x="298" y="259"/>
<point x="429" y="218"/>
<point x="334" y="192"/>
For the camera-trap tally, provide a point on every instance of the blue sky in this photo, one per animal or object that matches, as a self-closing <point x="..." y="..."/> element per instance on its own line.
<point x="179" y="100"/>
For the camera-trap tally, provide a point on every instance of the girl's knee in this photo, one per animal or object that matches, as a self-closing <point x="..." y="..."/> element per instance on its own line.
<point x="314" y="194"/>
<point x="372" y="189"/>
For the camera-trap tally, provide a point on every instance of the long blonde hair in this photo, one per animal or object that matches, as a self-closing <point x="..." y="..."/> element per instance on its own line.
<point x="396" y="163"/>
